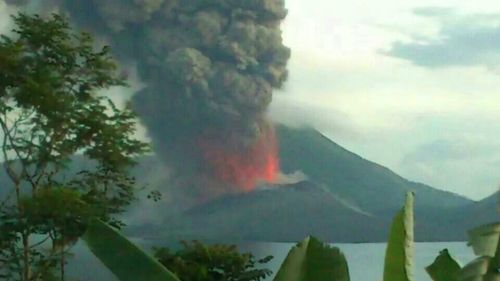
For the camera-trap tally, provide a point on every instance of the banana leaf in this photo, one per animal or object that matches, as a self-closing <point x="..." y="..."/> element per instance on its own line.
<point x="126" y="260"/>
<point x="399" y="253"/>
<point x="444" y="268"/>
<point x="312" y="260"/>
<point x="485" y="241"/>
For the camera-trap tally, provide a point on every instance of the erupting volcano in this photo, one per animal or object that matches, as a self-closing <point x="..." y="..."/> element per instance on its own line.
<point x="206" y="66"/>
<point x="245" y="167"/>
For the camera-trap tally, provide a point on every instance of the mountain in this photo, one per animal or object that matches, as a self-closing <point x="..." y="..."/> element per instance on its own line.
<point x="281" y="214"/>
<point x="345" y="199"/>
<point x="485" y="210"/>
<point x="365" y="184"/>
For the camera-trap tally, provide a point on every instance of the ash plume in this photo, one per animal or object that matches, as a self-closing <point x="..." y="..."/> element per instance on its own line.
<point x="210" y="67"/>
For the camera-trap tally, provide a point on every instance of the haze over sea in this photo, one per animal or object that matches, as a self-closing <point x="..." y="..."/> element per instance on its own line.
<point x="366" y="261"/>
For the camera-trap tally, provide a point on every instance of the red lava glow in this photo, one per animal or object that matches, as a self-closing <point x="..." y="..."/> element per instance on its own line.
<point x="245" y="168"/>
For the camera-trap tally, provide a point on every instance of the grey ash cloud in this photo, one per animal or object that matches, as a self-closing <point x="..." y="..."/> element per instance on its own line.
<point x="209" y="68"/>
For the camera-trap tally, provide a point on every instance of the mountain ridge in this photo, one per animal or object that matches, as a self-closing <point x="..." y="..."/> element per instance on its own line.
<point x="349" y="174"/>
<point x="345" y="199"/>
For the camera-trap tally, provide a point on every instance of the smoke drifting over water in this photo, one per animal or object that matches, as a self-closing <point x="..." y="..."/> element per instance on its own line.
<point x="210" y="67"/>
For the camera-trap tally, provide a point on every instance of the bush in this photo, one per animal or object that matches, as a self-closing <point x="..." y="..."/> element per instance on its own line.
<point x="196" y="261"/>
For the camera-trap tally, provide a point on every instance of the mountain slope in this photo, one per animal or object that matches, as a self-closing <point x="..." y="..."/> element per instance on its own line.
<point x="365" y="184"/>
<point x="280" y="214"/>
<point x="346" y="199"/>
<point x="480" y="212"/>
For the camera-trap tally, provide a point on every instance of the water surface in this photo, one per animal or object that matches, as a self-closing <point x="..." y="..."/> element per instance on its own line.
<point x="366" y="261"/>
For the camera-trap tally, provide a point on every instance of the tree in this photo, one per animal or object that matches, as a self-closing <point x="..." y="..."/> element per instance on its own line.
<point x="199" y="262"/>
<point x="50" y="111"/>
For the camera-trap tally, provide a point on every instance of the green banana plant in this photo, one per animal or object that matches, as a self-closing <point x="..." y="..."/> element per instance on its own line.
<point x="312" y="260"/>
<point x="485" y="241"/>
<point x="444" y="268"/>
<point x="399" y="254"/>
<point x="126" y="260"/>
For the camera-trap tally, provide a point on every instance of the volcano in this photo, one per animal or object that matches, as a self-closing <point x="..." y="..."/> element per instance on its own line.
<point x="345" y="199"/>
<point x="245" y="167"/>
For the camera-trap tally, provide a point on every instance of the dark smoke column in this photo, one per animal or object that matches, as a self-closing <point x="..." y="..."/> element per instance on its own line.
<point x="213" y="66"/>
<point x="210" y="67"/>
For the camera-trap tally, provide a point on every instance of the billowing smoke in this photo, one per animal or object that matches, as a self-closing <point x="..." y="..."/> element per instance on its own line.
<point x="210" y="67"/>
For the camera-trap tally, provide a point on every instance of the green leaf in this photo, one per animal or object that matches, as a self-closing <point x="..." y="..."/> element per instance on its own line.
<point x="444" y="268"/>
<point x="312" y="260"/>
<point x="122" y="257"/>
<point x="485" y="241"/>
<point x="399" y="253"/>
<point x="477" y="270"/>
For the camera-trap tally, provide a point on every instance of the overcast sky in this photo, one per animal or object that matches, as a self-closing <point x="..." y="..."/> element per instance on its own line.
<point x="412" y="85"/>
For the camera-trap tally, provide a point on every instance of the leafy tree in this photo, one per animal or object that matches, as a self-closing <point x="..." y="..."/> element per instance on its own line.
<point x="199" y="262"/>
<point x="50" y="111"/>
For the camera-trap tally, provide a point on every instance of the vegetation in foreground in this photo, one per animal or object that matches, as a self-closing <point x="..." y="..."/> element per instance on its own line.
<point x="312" y="260"/>
<point x="50" y="110"/>
<point x="199" y="262"/>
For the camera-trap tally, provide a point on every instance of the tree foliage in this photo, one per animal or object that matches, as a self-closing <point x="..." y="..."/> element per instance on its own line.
<point x="50" y="110"/>
<point x="199" y="262"/>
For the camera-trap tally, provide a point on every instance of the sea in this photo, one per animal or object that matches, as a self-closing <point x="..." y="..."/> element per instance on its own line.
<point x="366" y="261"/>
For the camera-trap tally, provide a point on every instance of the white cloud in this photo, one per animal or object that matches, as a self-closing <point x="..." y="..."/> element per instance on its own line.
<point x="385" y="108"/>
<point x="437" y="163"/>
<point x="5" y="19"/>
<point x="462" y="40"/>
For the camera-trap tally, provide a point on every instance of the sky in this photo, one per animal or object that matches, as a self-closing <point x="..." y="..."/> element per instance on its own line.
<point x="411" y="85"/>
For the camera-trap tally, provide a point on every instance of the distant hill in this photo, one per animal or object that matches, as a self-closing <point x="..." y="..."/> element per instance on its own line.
<point x="284" y="214"/>
<point x="346" y="199"/>
<point x="482" y="211"/>
<point x="367" y="185"/>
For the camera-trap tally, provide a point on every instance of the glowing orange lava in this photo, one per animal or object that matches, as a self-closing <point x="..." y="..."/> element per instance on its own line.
<point x="245" y="168"/>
